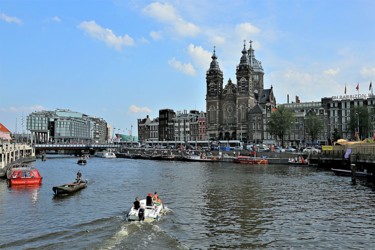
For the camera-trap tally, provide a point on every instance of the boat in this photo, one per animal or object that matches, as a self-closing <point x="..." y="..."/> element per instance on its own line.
<point x="249" y="160"/>
<point x="200" y="158"/>
<point x="105" y="154"/>
<point x="23" y="175"/>
<point x="69" y="188"/>
<point x="346" y="172"/>
<point x="81" y="162"/>
<point x="298" y="161"/>
<point x="150" y="213"/>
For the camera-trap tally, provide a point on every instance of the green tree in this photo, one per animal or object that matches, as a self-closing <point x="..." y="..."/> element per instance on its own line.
<point x="336" y="135"/>
<point x="359" y="120"/>
<point x="314" y="125"/>
<point x="280" y="122"/>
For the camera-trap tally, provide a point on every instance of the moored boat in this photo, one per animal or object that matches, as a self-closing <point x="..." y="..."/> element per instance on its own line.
<point x="250" y="160"/>
<point x="69" y="188"/>
<point x="24" y="175"/>
<point x="105" y="154"/>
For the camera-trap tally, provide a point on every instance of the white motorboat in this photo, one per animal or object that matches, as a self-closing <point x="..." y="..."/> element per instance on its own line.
<point x="105" y="154"/>
<point x="150" y="213"/>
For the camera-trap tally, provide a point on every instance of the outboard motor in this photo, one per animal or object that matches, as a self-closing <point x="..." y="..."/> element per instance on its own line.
<point x="141" y="214"/>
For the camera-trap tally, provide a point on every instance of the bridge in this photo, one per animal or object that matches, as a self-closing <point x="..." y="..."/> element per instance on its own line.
<point x="75" y="147"/>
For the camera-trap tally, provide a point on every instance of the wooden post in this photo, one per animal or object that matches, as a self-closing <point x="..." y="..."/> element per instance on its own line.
<point x="354" y="171"/>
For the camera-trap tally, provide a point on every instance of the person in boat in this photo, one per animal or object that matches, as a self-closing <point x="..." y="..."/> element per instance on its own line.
<point x="137" y="204"/>
<point x="149" y="200"/>
<point x="156" y="198"/>
<point x="141" y="212"/>
<point x="79" y="177"/>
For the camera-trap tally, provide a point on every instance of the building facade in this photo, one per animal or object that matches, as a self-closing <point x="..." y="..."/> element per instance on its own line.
<point x="229" y="108"/>
<point x="66" y="126"/>
<point x="166" y="128"/>
<point x="341" y="109"/>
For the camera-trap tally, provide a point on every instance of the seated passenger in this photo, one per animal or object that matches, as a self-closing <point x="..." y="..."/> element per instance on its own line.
<point x="149" y="200"/>
<point x="155" y="197"/>
<point x="136" y="204"/>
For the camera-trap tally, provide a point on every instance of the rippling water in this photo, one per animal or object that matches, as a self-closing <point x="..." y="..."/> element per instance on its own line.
<point x="210" y="206"/>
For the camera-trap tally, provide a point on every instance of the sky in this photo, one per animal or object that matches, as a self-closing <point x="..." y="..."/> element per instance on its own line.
<point x="123" y="60"/>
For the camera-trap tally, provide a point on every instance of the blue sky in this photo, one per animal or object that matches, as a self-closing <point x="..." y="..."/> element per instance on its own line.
<point x="123" y="60"/>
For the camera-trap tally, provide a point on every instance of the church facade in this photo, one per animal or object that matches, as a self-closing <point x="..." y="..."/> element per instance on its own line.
<point x="238" y="111"/>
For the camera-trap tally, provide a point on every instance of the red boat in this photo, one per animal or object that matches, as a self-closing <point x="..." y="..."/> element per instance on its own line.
<point x="24" y="176"/>
<point x="250" y="160"/>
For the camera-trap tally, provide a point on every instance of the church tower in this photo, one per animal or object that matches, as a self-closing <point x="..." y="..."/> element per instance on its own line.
<point x="245" y="94"/>
<point x="214" y="82"/>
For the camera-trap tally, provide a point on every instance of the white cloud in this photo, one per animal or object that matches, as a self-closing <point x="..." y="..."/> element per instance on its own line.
<point x="106" y="35"/>
<point x="332" y="72"/>
<point x="10" y="19"/>
<point x="166" y="13"/>
<point x="21" y="109"/>
<point x="186" y="68"/>
<point x="156" y="35"/>
<point x="246" y="30"/>
<point x="200" y="56"/>
<point x="56" y="19"/>
<point x="368" y="72"/>
<point x="135" y="109"/>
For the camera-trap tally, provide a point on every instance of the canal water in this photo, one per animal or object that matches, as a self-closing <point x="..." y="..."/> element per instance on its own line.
<point x="209" y="206"/>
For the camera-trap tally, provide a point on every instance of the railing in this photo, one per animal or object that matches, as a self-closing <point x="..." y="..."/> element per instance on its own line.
<point x="74" y="146"/>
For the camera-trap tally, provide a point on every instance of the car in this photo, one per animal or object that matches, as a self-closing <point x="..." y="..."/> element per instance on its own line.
<point x="311" y="150"/>
<point x="279" y="149"/>
<point x="290" y="149"/>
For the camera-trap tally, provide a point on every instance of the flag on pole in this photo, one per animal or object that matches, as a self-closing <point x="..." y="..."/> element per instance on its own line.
<point x="357" y="88"/>
<point x="345" y="89"/>
<point x="370" y="87"/>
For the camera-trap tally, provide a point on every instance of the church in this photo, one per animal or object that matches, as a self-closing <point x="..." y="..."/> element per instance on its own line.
<point x="238" y="111"/>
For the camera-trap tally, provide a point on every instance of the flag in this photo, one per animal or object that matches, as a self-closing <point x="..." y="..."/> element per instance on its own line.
<point x="357" y="88"/>
<point x="345" y="90"/>
<point x="370" y="87"/>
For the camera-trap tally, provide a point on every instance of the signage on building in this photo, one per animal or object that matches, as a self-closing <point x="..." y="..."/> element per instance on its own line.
<point x="352" y="97"/>
<point x="327" y="148"/>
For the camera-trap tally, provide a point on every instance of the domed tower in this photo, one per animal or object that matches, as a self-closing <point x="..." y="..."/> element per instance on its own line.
<point x="214" y="84"/>
<point x="258" y="73"/>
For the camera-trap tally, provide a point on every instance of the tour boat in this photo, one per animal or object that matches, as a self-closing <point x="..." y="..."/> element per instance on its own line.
<point x="150" y="213"/>
<point x="24" y="175"/>
<point x="105" y="154"/>
<point x="69" y="188"/>
<point x="250" y="160"/>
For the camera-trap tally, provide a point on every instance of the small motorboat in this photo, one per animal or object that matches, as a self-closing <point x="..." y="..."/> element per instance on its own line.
<point x="81" y="161"/>
<point x="105" y="154"/>
<point x="24" y="175"/>
<point x="146" y="213"/>
<point x="69" y="188"/>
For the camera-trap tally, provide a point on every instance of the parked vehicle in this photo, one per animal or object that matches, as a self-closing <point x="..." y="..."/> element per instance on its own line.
<point x="290" y="149"/>
<point x="279" y="149"/>
<point x="311" y="150"/>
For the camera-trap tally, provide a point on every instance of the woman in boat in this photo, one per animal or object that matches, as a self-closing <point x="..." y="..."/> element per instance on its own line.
<point x="156" y="198"/>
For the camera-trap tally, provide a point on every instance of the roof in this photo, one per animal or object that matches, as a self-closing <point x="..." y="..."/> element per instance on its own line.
<point x="4" y="129"/>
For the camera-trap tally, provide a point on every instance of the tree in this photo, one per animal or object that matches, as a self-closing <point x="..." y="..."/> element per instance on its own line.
<point x="359" y="123"/>
<point x="314" y="125"/>
<point x="280" y="122"/>
<point x="336" y="135"/>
